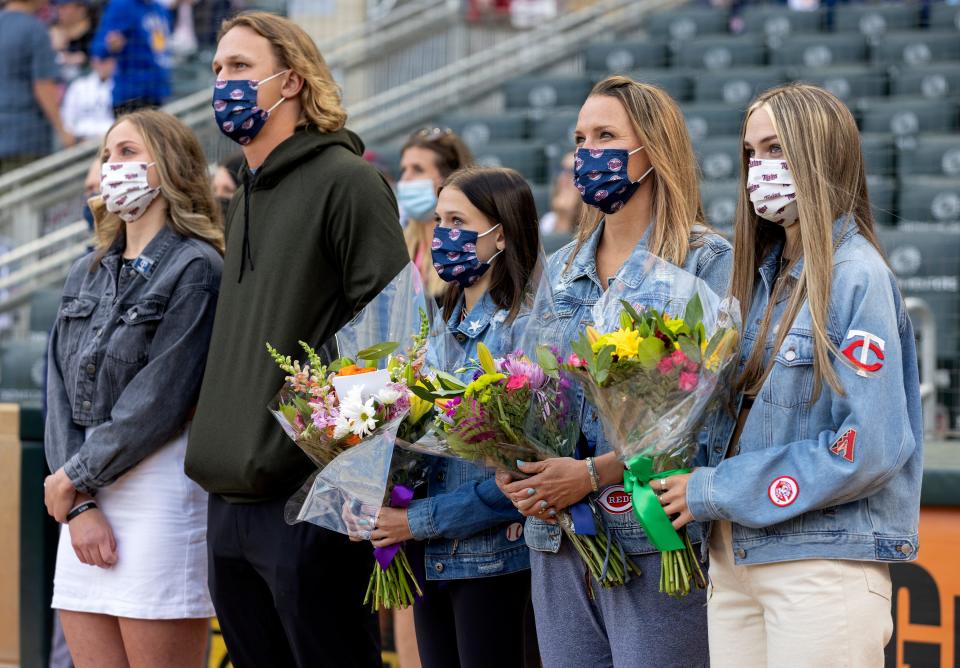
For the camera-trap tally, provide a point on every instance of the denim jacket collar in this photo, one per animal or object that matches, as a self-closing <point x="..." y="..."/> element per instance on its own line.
<point x="145" y="263"/>
<point x="477" y="321"/>
<point x="585" y="263"/>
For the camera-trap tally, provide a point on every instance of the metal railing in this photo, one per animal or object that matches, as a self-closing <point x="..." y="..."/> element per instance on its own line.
<point x="925" y="327"/>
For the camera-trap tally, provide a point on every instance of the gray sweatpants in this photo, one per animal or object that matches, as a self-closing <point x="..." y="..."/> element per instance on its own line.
<point x="624" y="627"/>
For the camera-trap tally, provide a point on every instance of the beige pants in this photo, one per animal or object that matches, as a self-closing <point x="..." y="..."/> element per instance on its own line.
<point x="816" y="612"/>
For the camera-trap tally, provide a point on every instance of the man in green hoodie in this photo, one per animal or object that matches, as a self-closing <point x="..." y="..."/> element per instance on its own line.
<point x="312" y="235"/>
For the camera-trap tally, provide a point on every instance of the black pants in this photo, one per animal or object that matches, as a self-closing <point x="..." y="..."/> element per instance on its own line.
<point x="288" y="595"/>
<point x="476" y="623"/>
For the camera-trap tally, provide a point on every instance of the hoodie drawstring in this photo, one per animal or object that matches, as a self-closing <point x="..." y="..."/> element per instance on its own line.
<point x="247" y="252"/>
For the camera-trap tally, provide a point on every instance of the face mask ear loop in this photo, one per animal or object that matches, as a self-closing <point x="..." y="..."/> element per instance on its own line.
<point x="645" y="174"/>
<point x="279" y="102"/>
<point x="489" y="231"/>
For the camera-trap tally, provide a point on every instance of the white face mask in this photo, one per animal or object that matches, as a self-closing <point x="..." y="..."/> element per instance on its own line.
<point x="771" y="190"/>
<point x="125" y="189"/>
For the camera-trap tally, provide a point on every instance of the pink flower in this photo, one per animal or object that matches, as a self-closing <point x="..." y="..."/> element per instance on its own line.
<point x="665" y="366"/>
<point x="691" y="366"/>
<point x="688" y="381"/>
<point x="574" y="361"/>
<point x="678" y="358"/>
<point x="517" y="383"/>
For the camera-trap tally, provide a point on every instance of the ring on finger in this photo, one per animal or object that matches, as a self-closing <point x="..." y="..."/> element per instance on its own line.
<point x="543" y="506"/>
<point x="663" y="484"/>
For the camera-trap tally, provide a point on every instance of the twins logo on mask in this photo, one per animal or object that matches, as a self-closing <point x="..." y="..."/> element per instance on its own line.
<point x="772" y="191"/>
<point x="125" y="189"/>
<point x="600" y="175"/>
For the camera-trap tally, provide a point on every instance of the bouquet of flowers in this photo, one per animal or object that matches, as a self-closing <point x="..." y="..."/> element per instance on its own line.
<point x="652" y="377"/>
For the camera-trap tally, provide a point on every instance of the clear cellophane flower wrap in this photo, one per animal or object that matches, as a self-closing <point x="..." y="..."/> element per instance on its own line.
<point x="360" y="399"/>
<point x="653" y="376"/>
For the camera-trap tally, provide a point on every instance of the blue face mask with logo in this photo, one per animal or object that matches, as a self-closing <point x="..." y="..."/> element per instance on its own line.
<point x="600" y="175"/>
<point x="417" y="199"/>
<point x="235" y="107"/>
<point x="455" y="255"/>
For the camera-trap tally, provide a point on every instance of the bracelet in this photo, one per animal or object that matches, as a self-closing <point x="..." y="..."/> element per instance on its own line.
<point x="82" y="508"/>
<point x="592" y="471"/>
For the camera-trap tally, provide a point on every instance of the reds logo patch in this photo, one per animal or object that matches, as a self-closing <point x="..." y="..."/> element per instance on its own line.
<point x="514" y="531"/>
<point x="845" y="444"/>
<point x="614" y="499"/>
<point x="783" y="491"/>
<point x="865" y="346"/>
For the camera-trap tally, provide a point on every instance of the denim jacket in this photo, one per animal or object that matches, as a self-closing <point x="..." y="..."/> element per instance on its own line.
<point x="127" y="353"/>
<point x="472" y="530"/>
<point x="576" y="289"/>
<point x="839" y="477"/>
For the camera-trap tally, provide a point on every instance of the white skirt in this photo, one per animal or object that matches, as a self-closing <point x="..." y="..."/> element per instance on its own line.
<point x="159" y="519"/>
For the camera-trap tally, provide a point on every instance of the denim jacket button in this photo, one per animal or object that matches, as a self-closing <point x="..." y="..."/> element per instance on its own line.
<point x="91" y="369"/>
<point x="461" y="338"/>
<point x="86" y="405"/>
<point x="790" y="355"/>
<point x="741" y="553"/>
<point x="906" y="548"/>
<point x="133" y="315"/>
<point x="99" y="332"/>
<point x="438" y="567"/>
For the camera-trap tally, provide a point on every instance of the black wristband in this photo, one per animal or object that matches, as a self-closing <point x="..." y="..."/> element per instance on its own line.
<point x="82" y="508"/>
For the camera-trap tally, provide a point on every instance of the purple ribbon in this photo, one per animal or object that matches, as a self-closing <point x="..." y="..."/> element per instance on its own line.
<point x="400" y="497"/>
<point x="583" y="524"/>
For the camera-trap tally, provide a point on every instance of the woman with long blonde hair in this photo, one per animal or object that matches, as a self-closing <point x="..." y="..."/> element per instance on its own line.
<point x="813" y="482"/>
<point x="637" y="174"/>
<point x="126" y="358"/>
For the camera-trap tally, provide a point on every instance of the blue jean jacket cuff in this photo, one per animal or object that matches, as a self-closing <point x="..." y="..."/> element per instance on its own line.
<point x="420" y="519"/>
<point x="699" y="488"/>
<point x="79" y="476"/>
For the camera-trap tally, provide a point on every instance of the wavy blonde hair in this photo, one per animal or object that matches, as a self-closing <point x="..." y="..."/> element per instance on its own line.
<point x="320" y="99"/>
<point x="184" y="183"/>
<point x="821" y="144"/>
<point x="661" y="129"/>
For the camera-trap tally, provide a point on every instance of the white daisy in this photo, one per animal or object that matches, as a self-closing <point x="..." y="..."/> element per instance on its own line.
<point x="388" y="396"/>
<point x="360" y="414"/>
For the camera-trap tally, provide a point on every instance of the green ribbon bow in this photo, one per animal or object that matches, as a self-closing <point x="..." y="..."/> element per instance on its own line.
<point x="646" y="504"/>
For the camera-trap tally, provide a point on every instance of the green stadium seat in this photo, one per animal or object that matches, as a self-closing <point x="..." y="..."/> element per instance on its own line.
<point x="933" y="155"/>
<point x="820" y="50"/>
<point x="677" y="83"/>
<point x="932" y="81"/>
<point x="929" y="198"/>
<point x="44" y="306"/>
<point x="477" y="129"/>
<point x="528" y="158"/>
<point x="720" y="203"/>
<point x="917" y="47"/>
<point x="944" y="16"/>
<point x="688" y="22"/>
<point x="720" y="52"/>
<point x="547" y="92"/>
<point x="907" y="116"/>
<point x="541" y="196"/>
<point x="719" y="157"/>
<point x="736" y="86"/>
<point x="713" y="119"/>
<point x="776" y="22"/>
<point x="873" y="20"/>
<point x="879" y="154"/>
<point x="848" y="82"/>
<point x="22" y="371"/>
<point x="555" y="128"/>
<point x="612" y="58"/>
<point x="883" y="198"/>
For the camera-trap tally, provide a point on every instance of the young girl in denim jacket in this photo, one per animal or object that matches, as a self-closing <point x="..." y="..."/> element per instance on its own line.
<point x="477" y="585"/>
<point x="813" y="482"/>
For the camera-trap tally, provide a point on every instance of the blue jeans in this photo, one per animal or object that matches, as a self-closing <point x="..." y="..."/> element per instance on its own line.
<point x="629" y="626"/>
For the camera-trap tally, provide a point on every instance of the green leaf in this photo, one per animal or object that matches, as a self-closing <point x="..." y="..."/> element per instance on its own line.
<point x="582" y="348"/>
<point x="303" y="407"/>
<point x="450" y="382"/>
<point x="630" y="311"/>
<point x="338" y="364"/>
<point x="424" y="393"/>
<point x="693" y="313"/>
<point x="289" y="413"/>
<point x="700" y="333"/>
<point x="650" y="352"/>
<point x="662" y="326"/>
<point x="600" y="366"/>
<point x="378" y="351"/>
<point x="626" y="322"/>
<point x="547" y="360"/>
<point x="690" y="348"/>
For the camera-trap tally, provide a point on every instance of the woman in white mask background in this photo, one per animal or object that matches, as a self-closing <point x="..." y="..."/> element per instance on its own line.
<point x="125" y="361"/>
<point x="428" y="157"/>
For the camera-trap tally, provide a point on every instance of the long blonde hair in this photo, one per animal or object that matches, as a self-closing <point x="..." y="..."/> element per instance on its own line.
<point x="821" y="145"/>
<point x="184" y="184"/>
<point x="320" y="98"/>
<point x="659" y="125"/>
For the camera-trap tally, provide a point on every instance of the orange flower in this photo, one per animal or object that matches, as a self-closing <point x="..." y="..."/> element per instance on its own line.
<point x="353" y="370"/>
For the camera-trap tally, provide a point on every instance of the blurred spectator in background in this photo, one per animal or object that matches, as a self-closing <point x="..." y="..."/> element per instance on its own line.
<point x="209" y="14"/>
<point x="72" y="35"/>
<point x="429" y="156"/>
<point x="226" y="179"/>
<point x="88" y="104"/>
<point x="91" y="187"/>
<point x="29" y="96"/>
<point x="564" y="202"/>
<point x="137" y="34"/>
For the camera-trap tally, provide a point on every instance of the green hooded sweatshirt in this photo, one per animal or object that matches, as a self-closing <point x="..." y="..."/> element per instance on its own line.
<point x="312" y="236"/>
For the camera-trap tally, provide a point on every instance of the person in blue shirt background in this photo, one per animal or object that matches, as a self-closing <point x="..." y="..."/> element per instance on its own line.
<point x="137" y="34"/>
<point x="477" y="587"/>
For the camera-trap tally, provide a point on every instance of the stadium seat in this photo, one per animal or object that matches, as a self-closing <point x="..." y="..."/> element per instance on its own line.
<point x="555" y="128"/>
<point x="541" y="196"/>
<point x="883" y="197"/>
<point x="933" y="155"/>
<point x="714" y="119"/>
<point x="944" y="16"/>
<point x="776" y="22"/>
<point x="688" y="22"/>
<point x="44" y="306"/>
<point x="848" y="82"/>
<point x="554" y="242"/>
<point x="879" y="154"/>
<point x="720" y="52"/>
<point x="616" y="57"/>
<point x="719" y="157"/>
<point x="873" y="20"/>
<point x="478" y="129"/>
<point x="917" y="47"/>
<point x="547" y="92"/>
<point x="720" y="203"/>
<point x="22" y="371"/>
<point x="929" y="198"/>
<point x="820" y="50"/>
<point x="528" y="158"/>
<point x="933" y="81"/>
<point x="907" y="116"/>
<point x="736" y="86"/>
<point x="677" y="83"/>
